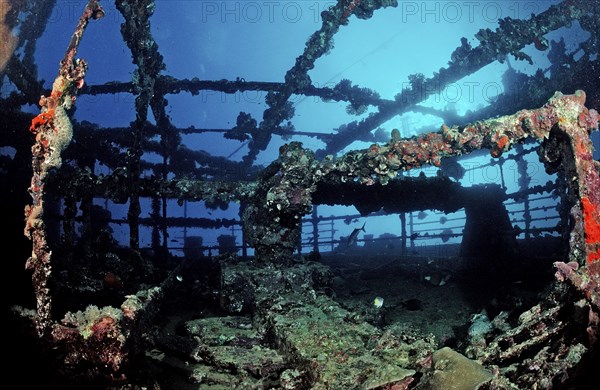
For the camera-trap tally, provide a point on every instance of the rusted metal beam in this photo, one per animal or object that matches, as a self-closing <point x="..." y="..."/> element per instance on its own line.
<point x="285" y="189"/>
<point x="53" y="133"/>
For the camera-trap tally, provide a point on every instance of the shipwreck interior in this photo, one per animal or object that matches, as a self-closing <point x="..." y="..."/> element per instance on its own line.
<point x="385" y="258"/>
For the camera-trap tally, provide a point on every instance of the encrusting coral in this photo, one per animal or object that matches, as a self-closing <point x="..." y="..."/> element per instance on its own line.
<point x="53" y="132"/>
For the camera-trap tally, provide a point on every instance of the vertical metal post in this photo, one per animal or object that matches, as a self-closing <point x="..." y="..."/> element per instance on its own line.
<point x="244" y="243"/>
<point x="412" y="231"/>
<point x="403" y="233"/>
<point x="315" y="232"/>
<point x="332" y="233"/>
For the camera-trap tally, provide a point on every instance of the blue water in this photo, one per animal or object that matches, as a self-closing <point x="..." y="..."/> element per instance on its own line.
<point x="259" y="41"/>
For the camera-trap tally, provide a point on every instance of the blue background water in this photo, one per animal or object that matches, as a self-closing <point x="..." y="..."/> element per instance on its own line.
<point x="260" y="40"/>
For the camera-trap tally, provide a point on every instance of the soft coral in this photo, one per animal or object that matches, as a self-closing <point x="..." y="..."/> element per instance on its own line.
<point x="591" y="218"/>
<point x="41" y="120"/>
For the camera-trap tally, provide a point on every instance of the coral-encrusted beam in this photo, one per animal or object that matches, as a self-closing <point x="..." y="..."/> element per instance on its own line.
<point x="563" y="117"/>
<point x="591" y="219"/>
<point x="575" y="121"/>
<point x="53" y="132"/>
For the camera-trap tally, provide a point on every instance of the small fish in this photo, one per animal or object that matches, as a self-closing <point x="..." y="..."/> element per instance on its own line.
<point x="422" y="215"/>
<point x="378" y="302"/>
<point x="354" y="235"/>
<point x="443" y="220"/>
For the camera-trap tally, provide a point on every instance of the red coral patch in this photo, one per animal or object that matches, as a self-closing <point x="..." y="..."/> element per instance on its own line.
<point x="41" y="120"/>
<point x="591" y="218"/>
